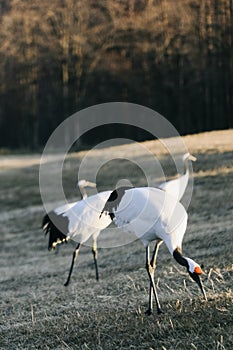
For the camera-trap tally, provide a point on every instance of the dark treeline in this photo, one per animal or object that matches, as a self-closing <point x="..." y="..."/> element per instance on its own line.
<point x="59" y="56"/>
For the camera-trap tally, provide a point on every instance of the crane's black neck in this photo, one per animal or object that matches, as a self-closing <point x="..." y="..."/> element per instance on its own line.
<point x="179" y="257"/>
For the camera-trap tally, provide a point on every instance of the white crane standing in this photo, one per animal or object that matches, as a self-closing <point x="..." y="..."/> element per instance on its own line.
<point x="78" y="221"/>
<point x="152" y="215"/>
<point x="177" y="187"/>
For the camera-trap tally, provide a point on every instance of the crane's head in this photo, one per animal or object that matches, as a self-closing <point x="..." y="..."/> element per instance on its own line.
<point x="195" y="271"/>
<point x="84" y="183"/>
<point x="189" y="156"/>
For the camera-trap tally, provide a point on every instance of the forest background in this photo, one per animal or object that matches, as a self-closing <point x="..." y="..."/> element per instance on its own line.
<point x="61" y="56"/>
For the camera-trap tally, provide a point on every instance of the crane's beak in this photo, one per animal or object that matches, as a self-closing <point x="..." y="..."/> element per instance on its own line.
<point x="197" y="279"/>
<point x="200" y="284"/>
<point x="90" y="184"/>
<point x="191" y="157"/>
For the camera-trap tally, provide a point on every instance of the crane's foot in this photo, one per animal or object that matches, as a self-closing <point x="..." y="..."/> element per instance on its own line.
<point x="159" y="311"/>
<point x="149" y="312"/>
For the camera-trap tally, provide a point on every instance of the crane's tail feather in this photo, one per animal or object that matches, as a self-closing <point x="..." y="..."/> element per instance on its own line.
<point x="51" y="225"/>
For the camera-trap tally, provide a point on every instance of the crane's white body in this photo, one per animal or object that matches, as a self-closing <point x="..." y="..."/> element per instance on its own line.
<point x="152" y="214"/>
<point x="78" y="221"/>
<point x="83" y="217"/>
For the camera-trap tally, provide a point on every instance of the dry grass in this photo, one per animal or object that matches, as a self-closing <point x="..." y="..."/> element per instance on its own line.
<point x="37" y="312"/>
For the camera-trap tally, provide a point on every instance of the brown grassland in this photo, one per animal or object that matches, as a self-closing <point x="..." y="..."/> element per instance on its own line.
<point x="38" y="312"/>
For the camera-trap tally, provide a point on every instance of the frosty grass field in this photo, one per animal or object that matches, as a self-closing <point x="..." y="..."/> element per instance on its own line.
<point x="38" y="312"/>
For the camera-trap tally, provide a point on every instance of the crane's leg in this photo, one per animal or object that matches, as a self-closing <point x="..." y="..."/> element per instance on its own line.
<point x="153" y="267"/>
<point x="74" y="258"/>
<point x="95" y="255"/>
<point x="150" y="271"/>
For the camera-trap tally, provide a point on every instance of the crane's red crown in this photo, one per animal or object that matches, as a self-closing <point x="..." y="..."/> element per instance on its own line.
<point x="198" y="270"/>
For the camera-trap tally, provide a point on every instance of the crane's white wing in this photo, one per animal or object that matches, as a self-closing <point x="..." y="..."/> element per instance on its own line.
<point x="60" y="210"/>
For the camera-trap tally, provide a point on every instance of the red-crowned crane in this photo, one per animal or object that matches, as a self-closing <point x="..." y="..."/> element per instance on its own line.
<point x="152" y="215"/>
<point x="77" y="221"/>
<point x="177" y="187"/>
